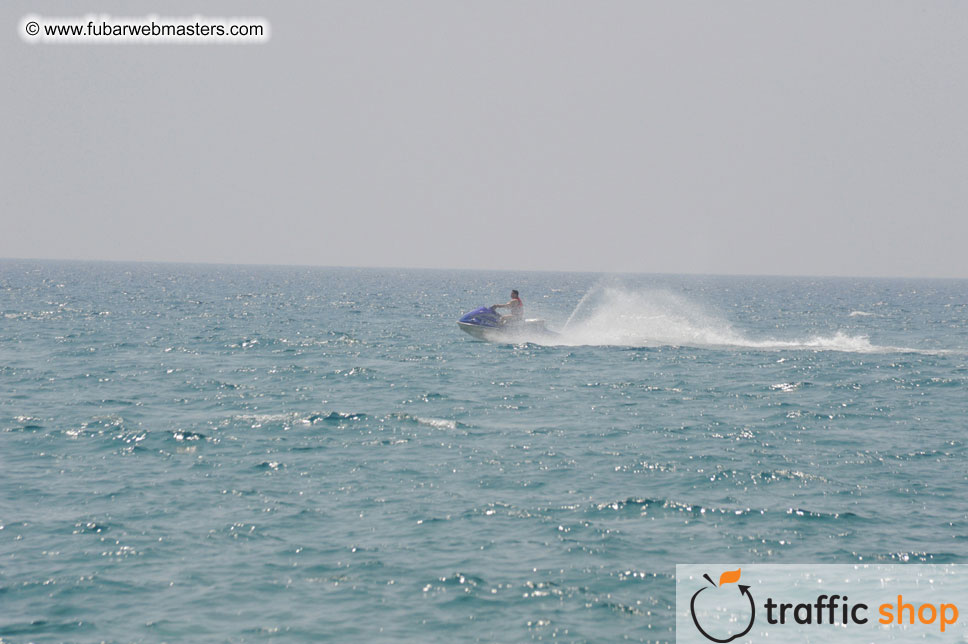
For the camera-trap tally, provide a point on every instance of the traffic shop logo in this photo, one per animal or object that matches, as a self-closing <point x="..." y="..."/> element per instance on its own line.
<point x="713" y="595"/>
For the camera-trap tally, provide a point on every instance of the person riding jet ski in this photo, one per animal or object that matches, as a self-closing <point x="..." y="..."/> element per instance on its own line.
<point x="516" y="307"/>
<point x="485" y="323"/>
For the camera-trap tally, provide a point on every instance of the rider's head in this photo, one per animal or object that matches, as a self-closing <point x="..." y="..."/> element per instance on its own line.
<point x="514" y="294"/>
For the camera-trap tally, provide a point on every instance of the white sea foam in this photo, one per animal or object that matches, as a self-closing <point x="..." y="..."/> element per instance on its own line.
<point x="615" y="316"/>
<point x="427" y="421"/>
<point x="859" y="314"/>
<point x="436" y="423"/>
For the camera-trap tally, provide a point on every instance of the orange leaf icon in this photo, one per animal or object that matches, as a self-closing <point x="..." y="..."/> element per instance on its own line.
<point x="729" y="577"/>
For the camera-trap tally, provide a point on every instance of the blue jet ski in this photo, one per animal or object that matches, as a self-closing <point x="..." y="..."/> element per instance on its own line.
<point x="485" y="324"/>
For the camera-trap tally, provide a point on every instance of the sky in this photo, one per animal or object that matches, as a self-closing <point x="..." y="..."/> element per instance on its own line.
<point x="758" y="137"/>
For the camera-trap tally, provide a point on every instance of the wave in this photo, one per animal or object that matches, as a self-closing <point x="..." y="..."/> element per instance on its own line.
<point x="615" y="316"/>
<point x="287" y="419"/>
<point x="436" y="423"/>
<point x="645" y="505"/>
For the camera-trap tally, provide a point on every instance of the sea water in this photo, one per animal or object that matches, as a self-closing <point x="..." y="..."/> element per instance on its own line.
<point x="232" y="454"/>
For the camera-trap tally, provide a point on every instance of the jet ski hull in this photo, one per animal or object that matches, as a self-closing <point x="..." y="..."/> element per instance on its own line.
<point x="477" y="330"/>
<point x="485" y="324"/>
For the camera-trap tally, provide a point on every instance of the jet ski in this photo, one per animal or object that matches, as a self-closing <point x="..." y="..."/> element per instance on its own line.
<point x="485" y="324"/>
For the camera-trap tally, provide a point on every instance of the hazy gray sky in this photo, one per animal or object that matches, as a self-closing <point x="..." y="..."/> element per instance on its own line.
<point x="818" y="138"/>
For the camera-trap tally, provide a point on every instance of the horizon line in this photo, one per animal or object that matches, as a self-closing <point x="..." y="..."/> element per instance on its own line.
<point x="463" y="269"/>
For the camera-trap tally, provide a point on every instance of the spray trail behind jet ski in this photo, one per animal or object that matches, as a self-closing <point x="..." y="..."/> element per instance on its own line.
<point x="616" y="316"/>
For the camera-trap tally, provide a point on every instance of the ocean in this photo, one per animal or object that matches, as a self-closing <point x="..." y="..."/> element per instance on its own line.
<point x="243" y="454"/>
